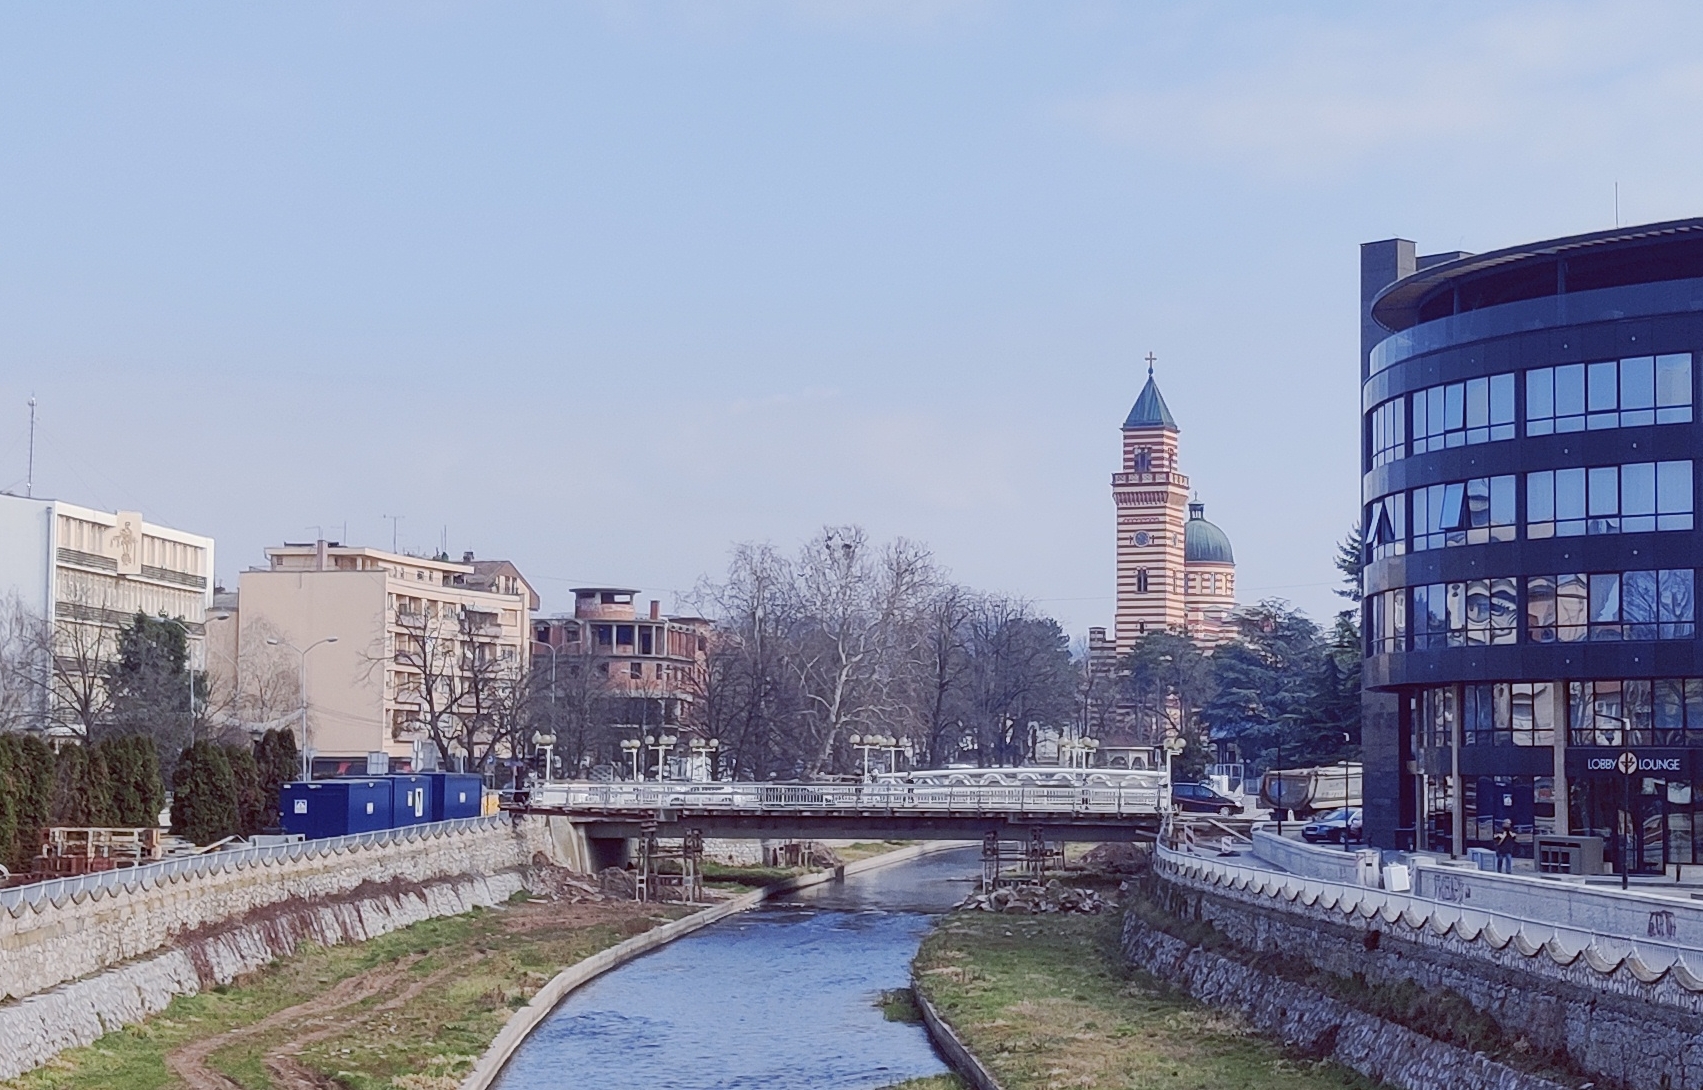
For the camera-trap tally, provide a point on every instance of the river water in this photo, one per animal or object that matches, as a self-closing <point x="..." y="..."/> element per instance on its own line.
<point x="779" y="998"/>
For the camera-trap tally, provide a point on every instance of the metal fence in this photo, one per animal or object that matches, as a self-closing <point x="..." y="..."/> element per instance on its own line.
<point x="1119" y="800"/>
<point x="56" y="891"/>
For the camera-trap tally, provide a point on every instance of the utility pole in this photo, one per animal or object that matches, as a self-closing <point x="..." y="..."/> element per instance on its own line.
<point x="29" y="478"/>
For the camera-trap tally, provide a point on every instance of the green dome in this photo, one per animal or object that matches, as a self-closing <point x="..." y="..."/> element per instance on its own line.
<point x="1204" y="543"/>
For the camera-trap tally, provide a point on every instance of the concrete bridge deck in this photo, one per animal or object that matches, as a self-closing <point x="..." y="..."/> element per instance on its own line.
<point x="842" y="811"/>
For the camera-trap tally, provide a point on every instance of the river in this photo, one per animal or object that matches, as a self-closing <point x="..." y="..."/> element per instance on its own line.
<point x="779" y="998"/>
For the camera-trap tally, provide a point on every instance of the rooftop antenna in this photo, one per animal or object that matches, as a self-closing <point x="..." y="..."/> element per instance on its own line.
<point x="394" y="519"/>
<point x="29" y="477"/>
<point x="1617" y="203"/>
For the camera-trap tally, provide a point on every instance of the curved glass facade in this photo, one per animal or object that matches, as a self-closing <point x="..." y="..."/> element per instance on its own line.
<point x="1529" y="504"/>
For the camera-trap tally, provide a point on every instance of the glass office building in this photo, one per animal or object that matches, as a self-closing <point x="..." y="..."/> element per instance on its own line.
<point x="1529" y="483"/>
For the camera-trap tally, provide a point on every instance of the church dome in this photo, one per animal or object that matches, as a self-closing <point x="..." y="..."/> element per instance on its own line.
<point x="1204" y="543"/>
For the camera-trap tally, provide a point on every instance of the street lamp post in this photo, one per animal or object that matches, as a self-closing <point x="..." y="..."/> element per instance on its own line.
<point x="662" y="743"/>
<point x="631" y="747"/>
<point x="868" y="743"/>
<point x="547" y="743"/>
<point x="307" y="750"/>
<point x="703" y="753"/>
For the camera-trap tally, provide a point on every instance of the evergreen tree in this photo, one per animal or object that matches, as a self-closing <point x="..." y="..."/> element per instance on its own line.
<point x="82" y="788"/>
<point x="150" y="684"/>
<point x="10" y="792"/>
<point x="204" y="805"/>
<point x="33" y="776"/>
<point x="138" y="792"/>
<point x="250" y="793"/>
<point x="279" y="762"/>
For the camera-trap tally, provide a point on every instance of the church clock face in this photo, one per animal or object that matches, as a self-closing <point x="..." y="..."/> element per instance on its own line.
<point x="1142" y="538"/>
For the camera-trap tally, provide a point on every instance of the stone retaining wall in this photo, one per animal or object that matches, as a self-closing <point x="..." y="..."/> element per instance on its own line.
<point x="43" y="944"/>
<point x="1315" y="1023"/>
<point x="34" y="1030"/>
<point x="1633" y="1040"/>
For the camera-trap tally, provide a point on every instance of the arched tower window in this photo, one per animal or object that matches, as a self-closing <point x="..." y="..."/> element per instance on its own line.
<point x="1144" y="460"/>
<point x="1141" y="580"/>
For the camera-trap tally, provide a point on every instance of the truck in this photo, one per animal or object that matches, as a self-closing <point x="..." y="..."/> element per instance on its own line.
<point x="1303" y="792"/>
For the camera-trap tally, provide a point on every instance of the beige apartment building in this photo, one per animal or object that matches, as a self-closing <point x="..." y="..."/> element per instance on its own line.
<point x="82" y="574"/>
<point x="385" y="640"/>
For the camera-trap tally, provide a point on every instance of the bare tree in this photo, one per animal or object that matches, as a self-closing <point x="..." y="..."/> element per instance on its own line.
<point x="25" y="669"/>
<point x="855" y="605"/>
<point x="746" y="693"/>
<point x="469" y="693"/>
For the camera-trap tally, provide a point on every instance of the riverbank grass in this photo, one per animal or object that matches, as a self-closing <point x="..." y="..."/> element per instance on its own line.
<point x="411" y="1010"/>
<point x="1045" y="1002"/>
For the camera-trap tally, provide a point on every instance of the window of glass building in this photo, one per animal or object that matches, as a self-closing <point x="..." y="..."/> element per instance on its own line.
<point x="1464" y="513"/>
<point x="1477" y="611"/>
<point x="1389" y="432"/>
<point x="1436" y="726"/>
<point x="1479" y="410"/>
<point x="1634" y="605"/>
<point x="1504" y="713"/>
<point x="1386" y="622"/>
<point x="1386" y="527"/>
<point x="1636" y="712"/>
<point x="1627" y="499"/>
<point x="1634" y="392"/>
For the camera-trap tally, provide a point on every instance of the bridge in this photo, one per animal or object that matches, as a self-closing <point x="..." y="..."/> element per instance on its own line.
<point x="874" y="811"/>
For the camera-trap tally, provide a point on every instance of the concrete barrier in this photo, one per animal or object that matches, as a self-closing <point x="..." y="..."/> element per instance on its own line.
<point x="490" y="1065"/>
<point x="958" y="1055"/>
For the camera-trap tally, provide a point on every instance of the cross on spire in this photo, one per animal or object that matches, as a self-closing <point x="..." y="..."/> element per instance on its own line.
<point x="1150" y="358"/>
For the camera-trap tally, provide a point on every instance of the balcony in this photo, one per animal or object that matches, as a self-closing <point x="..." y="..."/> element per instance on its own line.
<point x="1126" y="479"/>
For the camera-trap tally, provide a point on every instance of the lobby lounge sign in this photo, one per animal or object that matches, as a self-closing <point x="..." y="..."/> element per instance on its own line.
<point x="1630" y="762"/>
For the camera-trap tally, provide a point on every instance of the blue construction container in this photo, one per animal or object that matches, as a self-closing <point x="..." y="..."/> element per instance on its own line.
<point x="456" y="795"/>
<point x="323" y="808"/>
<point x="411" y="798"/>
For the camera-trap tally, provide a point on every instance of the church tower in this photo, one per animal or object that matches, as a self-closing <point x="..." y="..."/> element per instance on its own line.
<point x="1151" y="498"/>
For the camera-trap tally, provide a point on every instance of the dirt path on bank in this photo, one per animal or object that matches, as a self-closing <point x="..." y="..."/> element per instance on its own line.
<point x="189" y="1061"/>
<point x="349" y="1003"/>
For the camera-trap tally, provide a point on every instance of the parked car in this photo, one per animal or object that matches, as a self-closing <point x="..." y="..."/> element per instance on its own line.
<point x="1335" y="827"/>
<point x="1197" y="798"/>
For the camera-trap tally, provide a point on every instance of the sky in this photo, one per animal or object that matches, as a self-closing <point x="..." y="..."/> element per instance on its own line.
<point x="605" y="288"/>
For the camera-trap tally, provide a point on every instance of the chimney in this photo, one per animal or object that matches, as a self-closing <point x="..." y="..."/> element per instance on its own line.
<point x="467" y="557"/>
<point x="319" y="555"/>
<point x="655" y="610"/>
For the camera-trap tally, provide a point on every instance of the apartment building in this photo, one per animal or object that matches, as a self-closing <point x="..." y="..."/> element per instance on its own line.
<point x="652" y="661"/>
<point x="385" y="642"/>
<point x="84" y="573"/>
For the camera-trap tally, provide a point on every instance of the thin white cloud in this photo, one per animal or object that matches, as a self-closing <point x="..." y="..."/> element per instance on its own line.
<point x="1304" y="99"/>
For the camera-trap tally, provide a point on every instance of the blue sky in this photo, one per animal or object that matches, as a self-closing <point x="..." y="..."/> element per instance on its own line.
<point x="604" y="288"/>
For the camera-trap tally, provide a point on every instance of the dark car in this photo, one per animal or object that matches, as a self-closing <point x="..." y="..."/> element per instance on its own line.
<point x="1197" y="798"/>
<point x="1334" y="827"/>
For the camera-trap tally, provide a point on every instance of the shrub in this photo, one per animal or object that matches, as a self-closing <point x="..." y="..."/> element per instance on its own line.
<point x="82" y="788"/>
<point x="250" y="795"/>
<point x="138" y="793"/>
<point x="280" y="763"/>
<point x="204" y="805"/>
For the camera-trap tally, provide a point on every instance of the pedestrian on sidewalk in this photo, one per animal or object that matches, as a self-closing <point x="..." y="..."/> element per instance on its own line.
<point x="1506" y="842"/>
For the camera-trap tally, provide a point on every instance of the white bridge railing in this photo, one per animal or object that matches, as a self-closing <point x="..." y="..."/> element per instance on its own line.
<point x="1122" y="800"/>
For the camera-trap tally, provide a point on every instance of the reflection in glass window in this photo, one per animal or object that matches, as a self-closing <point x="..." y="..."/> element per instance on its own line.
<point x="1458" y="414"/>
<point x="1633" y="392"/>
<point x="1471" y="512"/>
<point x="1472" y="612"/>
<point x="1386" y="527"/>
<point x="1636" y="712"/>
<point x="1389" y="431"/>
<point x="1634" y="605"/>
<point x="1386" y="622"/>
<point x="1634" y="498"/>
<point x="1503" y="713"/>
